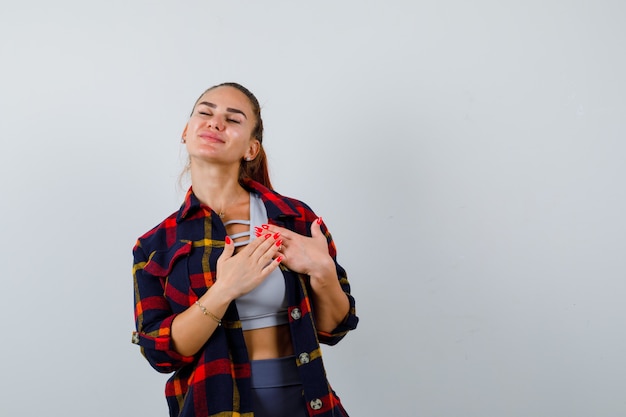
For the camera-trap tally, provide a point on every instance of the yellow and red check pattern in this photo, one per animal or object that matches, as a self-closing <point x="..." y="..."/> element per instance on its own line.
<point x="174" y="265"/>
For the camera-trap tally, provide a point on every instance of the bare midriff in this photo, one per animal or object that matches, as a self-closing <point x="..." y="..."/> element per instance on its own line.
<point x="268" y="342"/>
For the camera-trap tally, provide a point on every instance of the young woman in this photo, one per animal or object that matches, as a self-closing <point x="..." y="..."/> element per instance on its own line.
<point x="235" y="291"/>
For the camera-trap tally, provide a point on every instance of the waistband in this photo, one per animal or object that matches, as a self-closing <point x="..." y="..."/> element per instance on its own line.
<point x="279" y="372"/>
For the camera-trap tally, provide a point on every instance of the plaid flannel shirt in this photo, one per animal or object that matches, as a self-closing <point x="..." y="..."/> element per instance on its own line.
<point x="175" y="264"/>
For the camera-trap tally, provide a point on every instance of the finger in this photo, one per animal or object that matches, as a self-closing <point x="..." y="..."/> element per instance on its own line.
<point x="261" y="231"/>
<point x="229" y="249"/>
<point x="268" y="246"/>
<point x="271" y="265"/>
<point x="274" y="264"/>
<point x="269" y="228"/>
<point x="263" y="259"/>
<point x="316" y="228"/>
<point x="254" y="244"/>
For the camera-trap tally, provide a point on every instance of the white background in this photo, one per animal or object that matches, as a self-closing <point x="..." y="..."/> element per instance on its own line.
<point x="468" y="157"/>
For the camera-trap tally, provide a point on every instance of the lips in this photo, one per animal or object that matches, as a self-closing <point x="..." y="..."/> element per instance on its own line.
<point x="211" y="137"/>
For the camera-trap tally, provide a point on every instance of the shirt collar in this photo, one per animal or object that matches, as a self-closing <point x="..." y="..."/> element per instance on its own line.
<point x="275" y="204"/>
<point x="190" y="205"/>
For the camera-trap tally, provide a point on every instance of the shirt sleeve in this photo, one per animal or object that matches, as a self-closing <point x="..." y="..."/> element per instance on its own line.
<point x="153" y="313"/>
<point x="351" y="320"/>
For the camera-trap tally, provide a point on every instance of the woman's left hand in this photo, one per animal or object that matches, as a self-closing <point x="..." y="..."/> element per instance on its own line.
<point x="303" y="254"/>
<point x="310" y="256"/>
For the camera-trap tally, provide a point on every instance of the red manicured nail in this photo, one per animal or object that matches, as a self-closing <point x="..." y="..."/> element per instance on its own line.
<point x="257" y="234"/>
<point x="227" y="240"/>
<point x="276" y="235"/>
<point x="267" y="236"/>
<point x="257" y="229"/>
<point x="279" y="259"/>
<point x="319" y="220"/>
<point x="265" y="226"/>
<point x="279" y="242"/>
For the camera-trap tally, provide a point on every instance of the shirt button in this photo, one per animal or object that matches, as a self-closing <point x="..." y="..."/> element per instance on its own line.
<point x="316" y="404"/>
<point x="304" y="358"/>
<point x="296" y="313"/>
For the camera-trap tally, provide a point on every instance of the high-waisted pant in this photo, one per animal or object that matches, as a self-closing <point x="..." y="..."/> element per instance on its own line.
<point x="277" y="388"/>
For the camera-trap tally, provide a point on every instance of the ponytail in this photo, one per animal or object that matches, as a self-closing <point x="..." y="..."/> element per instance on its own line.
<point x="256" y="170"/>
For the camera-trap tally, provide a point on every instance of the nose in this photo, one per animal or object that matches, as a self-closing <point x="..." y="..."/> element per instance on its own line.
<point x="216" y="123"/>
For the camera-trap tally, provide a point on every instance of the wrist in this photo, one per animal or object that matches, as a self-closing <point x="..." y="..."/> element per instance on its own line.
<point x="325" y="272"/>
<point x="208" y="313"/>
<point x="218" y="295"/>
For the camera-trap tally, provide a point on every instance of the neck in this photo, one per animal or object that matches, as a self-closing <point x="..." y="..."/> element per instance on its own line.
<point x="217" y="186"/>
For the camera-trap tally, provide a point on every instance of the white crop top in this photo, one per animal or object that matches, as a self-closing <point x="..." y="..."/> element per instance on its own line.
<point x="266" y="305"/>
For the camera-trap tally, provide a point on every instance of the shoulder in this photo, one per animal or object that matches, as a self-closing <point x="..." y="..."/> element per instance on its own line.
<point x="279" y="205"/>
<point x="160" y="236"/>
<point x="299" y="205"/>
<point x="165" y="234"/>
<point x="298" y="218"/>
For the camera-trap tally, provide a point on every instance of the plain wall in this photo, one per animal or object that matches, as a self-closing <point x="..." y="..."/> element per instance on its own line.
<point x="468" y="158"/>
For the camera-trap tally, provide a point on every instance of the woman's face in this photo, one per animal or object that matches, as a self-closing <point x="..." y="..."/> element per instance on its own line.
<point x="220" y="127"/>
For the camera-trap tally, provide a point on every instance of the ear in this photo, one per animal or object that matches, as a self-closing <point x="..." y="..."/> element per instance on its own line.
<point x="184" y="135"/>
<point x="253" y="149"/>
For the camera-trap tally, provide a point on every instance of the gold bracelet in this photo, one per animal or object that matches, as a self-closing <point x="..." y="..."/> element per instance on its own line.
<point x="208" y="313"/>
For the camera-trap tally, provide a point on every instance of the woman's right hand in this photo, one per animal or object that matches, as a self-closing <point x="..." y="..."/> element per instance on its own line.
<point x="238" y="274"/>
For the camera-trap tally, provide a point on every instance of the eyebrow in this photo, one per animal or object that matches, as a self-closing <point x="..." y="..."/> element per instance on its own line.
<point x="228" y="109"/>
